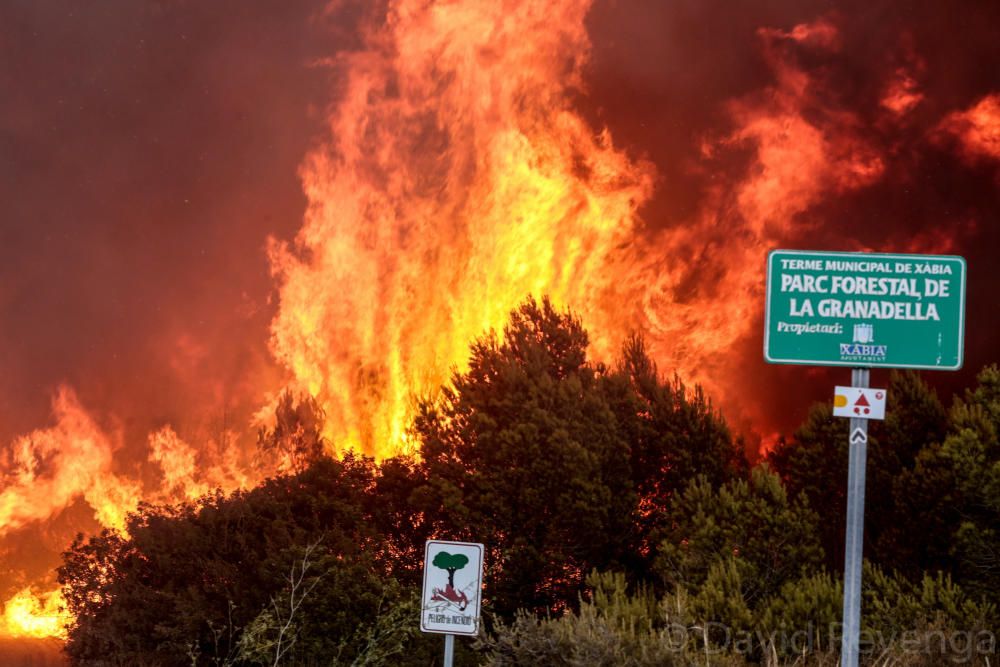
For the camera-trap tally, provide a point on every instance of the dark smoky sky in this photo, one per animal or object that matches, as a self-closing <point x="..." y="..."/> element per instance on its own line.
<point x="661" y="76"/>
<point x="147" y="150"/>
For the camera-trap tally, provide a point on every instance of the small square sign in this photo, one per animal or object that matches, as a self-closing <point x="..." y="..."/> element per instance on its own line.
<point x="453" y="581"/>
<point x="859" y="402"/>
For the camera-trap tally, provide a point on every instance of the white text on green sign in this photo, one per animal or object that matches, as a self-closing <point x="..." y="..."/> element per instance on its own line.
<point x="865" y="309"/>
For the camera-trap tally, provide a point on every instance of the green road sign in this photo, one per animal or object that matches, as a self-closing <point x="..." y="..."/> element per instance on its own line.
<point x="865" y="310"/>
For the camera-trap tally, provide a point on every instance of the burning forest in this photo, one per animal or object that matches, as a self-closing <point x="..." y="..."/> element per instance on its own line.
<point x="240" y="238"/>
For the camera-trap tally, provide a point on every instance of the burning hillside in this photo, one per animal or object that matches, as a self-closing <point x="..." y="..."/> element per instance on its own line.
<point x="165" y="280"/>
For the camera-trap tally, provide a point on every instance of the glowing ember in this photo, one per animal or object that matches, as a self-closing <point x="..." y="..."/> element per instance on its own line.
<point x="903" y="94"/>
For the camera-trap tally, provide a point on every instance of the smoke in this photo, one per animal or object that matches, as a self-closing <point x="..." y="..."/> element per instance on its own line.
<point x="812" y="125"/>
<point x="148" y="149"/>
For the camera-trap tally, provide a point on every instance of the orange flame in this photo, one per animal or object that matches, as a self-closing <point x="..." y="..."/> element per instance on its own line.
<point x="47" y="469"/>
<point x="28" y="614"/>
<point x="189" y="473"/>
<point x="977" y="129"/>
<point x="458" y="179"/>
<point x="902" y="95"/>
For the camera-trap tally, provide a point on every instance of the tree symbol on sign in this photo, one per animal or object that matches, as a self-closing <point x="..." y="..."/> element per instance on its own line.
<point x="452" y="563"/>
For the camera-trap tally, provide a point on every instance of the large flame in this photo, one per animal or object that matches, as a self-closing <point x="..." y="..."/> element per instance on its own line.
<point x="30" y="614"/>
<point x="458" y="178"/>
<point x="457" y="181"/>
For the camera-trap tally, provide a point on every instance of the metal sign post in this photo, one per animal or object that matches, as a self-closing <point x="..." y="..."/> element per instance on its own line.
<point x="449" y="650"/>
<point x="857" y="460"/>
<point x="863" y="310"/>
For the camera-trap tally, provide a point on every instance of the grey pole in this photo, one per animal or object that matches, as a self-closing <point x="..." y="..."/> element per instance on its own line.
<point x="449" y="650"/>
<point x="854" y="537"/>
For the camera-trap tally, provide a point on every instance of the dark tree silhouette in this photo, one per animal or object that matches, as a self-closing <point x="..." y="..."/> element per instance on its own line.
<point x="559" y="464"/>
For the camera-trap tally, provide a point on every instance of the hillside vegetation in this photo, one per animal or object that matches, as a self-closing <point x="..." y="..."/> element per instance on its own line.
<point x="623" y="526"/>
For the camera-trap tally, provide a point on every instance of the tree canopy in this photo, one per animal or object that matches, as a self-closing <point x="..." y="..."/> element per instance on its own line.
<point x="558" y="464"/>
<point x="584" y="480"/>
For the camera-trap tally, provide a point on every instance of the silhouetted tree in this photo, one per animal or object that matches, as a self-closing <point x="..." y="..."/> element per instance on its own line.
<point x="522" y="452"/>
<point x="953" y="492"/>
<point x="559" y="465"/>
<point x="191" y="577"/>
<point x="814" y="464"/>
<point x="674" y="435"/>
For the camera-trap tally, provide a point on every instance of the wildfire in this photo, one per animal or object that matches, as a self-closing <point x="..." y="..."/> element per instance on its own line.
<point x="28" y="614"/>
<point x="48" y="470"/>
<point x="458" y="178"/>
<point x="457" y="175"/>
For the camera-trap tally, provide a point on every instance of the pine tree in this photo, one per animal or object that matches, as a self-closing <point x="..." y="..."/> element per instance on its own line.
<point x="751" y="520"/>
<point x="953" y="492"/>
<point x="523" y="453"/>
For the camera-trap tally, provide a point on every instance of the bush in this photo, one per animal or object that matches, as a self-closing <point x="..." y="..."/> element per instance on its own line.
<point x="611" y="629"/>
<point x="771" y="538"/>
